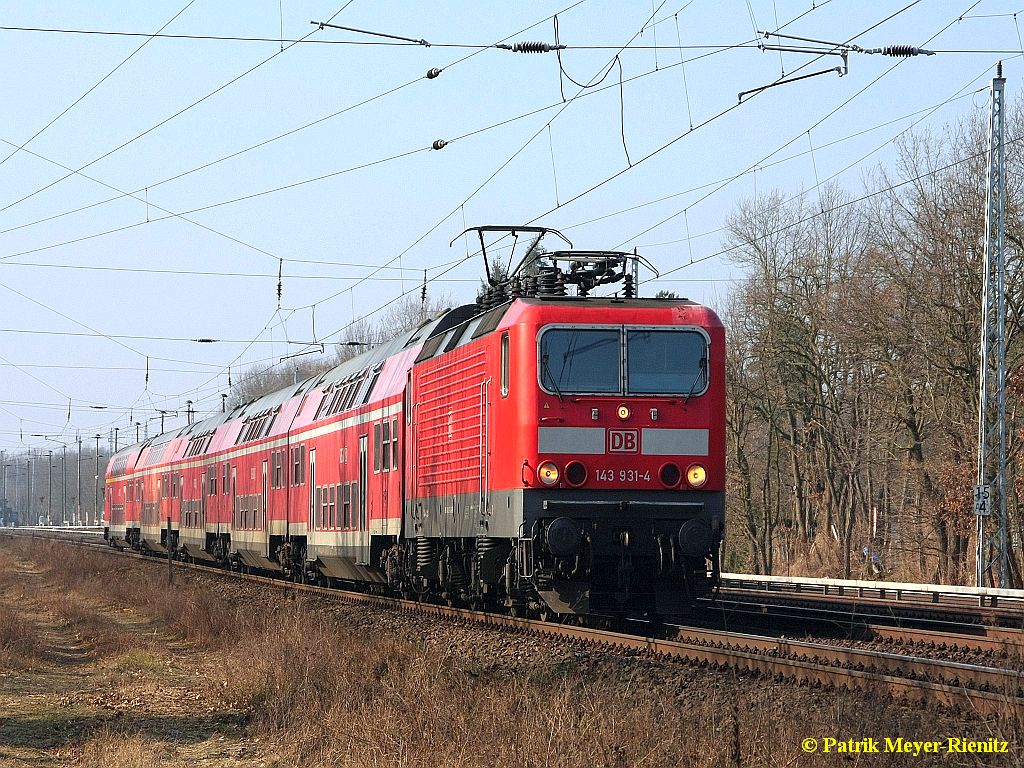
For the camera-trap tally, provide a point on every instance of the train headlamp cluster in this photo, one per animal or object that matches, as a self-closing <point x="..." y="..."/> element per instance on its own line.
<point x="576" y="474"/>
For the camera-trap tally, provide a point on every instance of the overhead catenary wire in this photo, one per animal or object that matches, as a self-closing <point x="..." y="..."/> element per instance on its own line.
<point x="152" y="128"/>
<point x="846" y="204"/>
<point x="461" y="205"/>
<point x="306" y="40"/>
<point x="97" y="84"/>
<point x="761" y="166"/>
<point x="233" y="155"/>
<point x="253" y="146"/>
<point x="817" y="123"/>
<point x="349" y="290"/>
<point x="709" y="120"/>
<point x="549" y="130"/>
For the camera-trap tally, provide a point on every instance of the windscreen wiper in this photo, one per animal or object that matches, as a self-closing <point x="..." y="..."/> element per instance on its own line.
<point x="702" y="373"/>
<point x="546" y="371"/>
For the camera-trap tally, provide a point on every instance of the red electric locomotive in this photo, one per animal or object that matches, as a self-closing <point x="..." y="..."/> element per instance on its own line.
<point x="534" y="452"/>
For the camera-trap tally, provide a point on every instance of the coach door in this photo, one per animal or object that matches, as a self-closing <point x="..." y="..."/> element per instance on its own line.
<point x="262" y="521"/>
<point x="363" y="527"/>
<point x="311" y="485"/>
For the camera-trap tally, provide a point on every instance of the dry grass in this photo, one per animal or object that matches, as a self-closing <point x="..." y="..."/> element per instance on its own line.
<point x="329" y="695"/>
<point x="194" y="614"/>
<point x="19" y="640"/>
<point x="109" y="748"/>
<point x="387" y="704"/>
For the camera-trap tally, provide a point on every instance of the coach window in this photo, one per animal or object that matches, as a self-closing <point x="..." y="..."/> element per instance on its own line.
<point x="332" y="509"/>
<point x="299" y="465"/>
<point x="666" y="361"/>
<point x="580" y="360"/>
<point x="376" y="447"/>
<point x="279" y="469"/>
<point x="346" y="505"/>
<point x="504" y="364"/>
<point x="385" y="453"/>
<point x="394" y="443"/>
<point x="224" y="479"/>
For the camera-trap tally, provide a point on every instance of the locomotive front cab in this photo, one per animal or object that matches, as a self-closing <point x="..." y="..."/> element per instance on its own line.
<point x="623" y="509"/>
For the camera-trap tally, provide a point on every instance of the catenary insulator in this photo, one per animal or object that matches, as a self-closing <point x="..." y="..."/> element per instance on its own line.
<point x="439" y="144"/>
<point x="530" y="47"/>
<point x="432" y="73"/>
<point x="903" y="51"/>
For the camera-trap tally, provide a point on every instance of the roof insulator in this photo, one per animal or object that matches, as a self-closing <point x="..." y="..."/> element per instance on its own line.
<point x="439" y="144"/>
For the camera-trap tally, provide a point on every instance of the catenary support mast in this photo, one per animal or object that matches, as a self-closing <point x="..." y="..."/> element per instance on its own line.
<point x="990" y="494"/>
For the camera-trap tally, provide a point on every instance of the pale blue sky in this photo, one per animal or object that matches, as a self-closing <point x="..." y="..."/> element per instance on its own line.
<point x="399" y="212"/>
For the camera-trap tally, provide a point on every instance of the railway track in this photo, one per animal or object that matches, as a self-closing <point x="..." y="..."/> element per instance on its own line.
<point x="927" y="633"/>
<point x="891" y="600"/>
<point x="912" y="679"/>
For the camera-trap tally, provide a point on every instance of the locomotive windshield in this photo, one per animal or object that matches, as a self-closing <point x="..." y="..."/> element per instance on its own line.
<point x="665" y="362"/>
<point x="580" y="360"/>
<point x="648" y="361"/>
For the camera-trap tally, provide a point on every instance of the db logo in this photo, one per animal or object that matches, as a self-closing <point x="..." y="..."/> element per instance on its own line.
<point x="623" y="441"/>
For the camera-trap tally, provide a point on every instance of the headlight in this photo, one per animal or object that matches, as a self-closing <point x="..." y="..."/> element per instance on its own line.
<point x="623" y="412"/>
<point x="696" y="475"/>
<point x="548" y="473"/>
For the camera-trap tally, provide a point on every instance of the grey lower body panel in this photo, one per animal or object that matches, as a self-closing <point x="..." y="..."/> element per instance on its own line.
<point x="496" y="514"/>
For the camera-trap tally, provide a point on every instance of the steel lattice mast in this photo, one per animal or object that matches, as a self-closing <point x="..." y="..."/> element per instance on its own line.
<point x="990" y="494"/>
